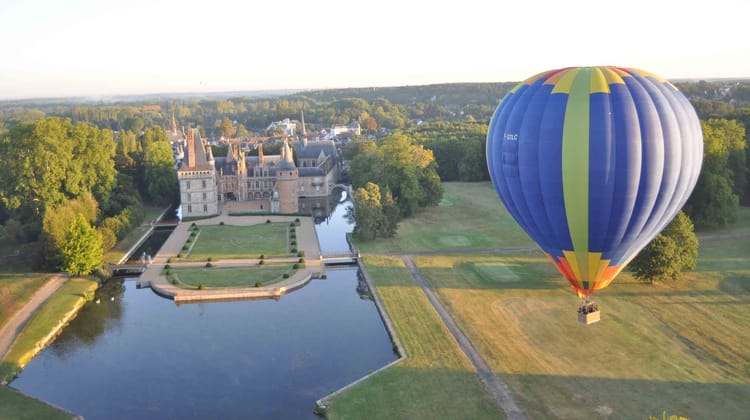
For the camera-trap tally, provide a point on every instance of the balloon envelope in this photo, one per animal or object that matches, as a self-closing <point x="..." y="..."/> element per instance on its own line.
<point x="593" y="162"/>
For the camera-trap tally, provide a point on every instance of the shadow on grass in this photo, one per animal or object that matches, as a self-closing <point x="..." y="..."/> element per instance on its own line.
<point x="547" y="396"/>
<point x="9" y="371"/>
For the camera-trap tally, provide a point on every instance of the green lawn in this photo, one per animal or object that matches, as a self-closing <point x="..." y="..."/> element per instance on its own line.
<point x="123" y="246"/>
<point x="435" y="381"/>
<point x="679" y="348"/>
<point x="16" y="406"/>
<point x="15" y="290"/>
<point x="470" y="216"/>
<point x="233" y="276"/>
<point x="42" y="322"/>
<point x="232" y="242"/>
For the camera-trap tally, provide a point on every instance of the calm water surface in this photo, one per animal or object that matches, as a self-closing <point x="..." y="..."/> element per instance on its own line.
<point x="139" y="356"/>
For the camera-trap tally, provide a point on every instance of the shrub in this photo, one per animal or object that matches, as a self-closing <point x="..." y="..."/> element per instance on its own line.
<point x="209" y="259"/>
<point x="167" y="272"/>
<point x="190" y="239"/>
<point x="209" y="265"/>
<point x="293" y="242"/>
<point x="285" y="275"/>
<point x="301" y="260"/>
<point x="262" y="256"/>
<point x="179" y="255"/>
<point x="296" y="266"/>
<point x="221" y="223"/>
<point x="167" y="267"/>
<point x="291" y="224"/>
<point x="268" y="220"/>
<point x="170" y="260"/>
<point x="296" y="221"/>
<point x="185" y="247"/>
<point x="173" y="280"/>
<point x="294" y="250"/>
<point x="258" y="284"/>
<point x="261" y="262"/>
<point x="201" y="286"/>
<point x="301" y="254"/>
<point x="192" y="225"/>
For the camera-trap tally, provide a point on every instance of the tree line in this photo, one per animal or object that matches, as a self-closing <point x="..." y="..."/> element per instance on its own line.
<point x="77" y="189"/>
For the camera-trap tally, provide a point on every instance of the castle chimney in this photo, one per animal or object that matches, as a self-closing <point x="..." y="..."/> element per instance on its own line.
<point x="191" y="148"/>
<point x="260" y="154"/>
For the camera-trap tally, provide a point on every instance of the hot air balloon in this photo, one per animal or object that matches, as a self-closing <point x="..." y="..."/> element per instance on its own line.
<point x="593" y="162"/>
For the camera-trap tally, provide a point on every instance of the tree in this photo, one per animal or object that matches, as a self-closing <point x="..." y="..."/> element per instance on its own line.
<point x="82" y="250"/>
<point x="391" y="214"/>
<point x="714" y="201"/>
<point x="227" y="130"/>
<point x="161" y="178"/>
<point x="368" y="213"/>
<point x="673" y="250"/>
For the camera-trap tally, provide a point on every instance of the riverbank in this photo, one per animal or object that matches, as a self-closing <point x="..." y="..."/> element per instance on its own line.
<point x="46" y="323"/>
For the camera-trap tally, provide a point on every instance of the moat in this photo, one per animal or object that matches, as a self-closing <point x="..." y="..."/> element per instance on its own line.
<point x="137" y="355"/>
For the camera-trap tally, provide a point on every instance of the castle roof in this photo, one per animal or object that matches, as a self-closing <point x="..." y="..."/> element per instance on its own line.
<point x="287" y="160"/>
<point x="195" y="146"/>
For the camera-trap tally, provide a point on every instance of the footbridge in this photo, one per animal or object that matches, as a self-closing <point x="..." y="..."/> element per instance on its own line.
<point x="125" y="269"/>
<point x="343" y="258"/>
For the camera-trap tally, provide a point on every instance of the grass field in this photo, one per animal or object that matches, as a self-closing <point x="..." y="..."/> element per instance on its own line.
<point x="42" y="322"/>
<point x="16" y="406"/>
<point x="435" y="381"/>
<point x="470" y="216"/>
<point x="15" y="290"/>
<point x="232" y="242"/>
<point x="267" y="274"/>
<point x="679" y="348"/>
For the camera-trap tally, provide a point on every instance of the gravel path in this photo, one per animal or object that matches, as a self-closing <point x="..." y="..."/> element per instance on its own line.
<point x="496" y="387"/>
<point x="14" y="326"/>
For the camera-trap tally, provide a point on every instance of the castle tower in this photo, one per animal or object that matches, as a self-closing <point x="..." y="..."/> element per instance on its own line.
<point x="286" y="181"/>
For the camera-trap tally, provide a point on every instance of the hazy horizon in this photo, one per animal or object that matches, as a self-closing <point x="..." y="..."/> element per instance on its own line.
<point x="90" y="48"/>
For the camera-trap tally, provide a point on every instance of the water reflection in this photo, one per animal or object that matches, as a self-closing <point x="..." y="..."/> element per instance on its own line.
<point x="136" y="355"/>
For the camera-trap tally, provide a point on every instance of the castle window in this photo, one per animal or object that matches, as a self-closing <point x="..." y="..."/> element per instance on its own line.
<point x="204" y="186"/>
<point x="190" y="209"/>
<point x="205" y="208"/>
<point x="188" y="185"/>
<point x="204" y="196"/>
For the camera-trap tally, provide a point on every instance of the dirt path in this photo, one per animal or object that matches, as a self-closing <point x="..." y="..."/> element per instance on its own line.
<point x="496" y="387"/>
<point x="18" y="320"/>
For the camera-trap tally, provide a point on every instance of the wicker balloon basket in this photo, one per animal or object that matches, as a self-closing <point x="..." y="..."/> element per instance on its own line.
<point x="588" y="313"/>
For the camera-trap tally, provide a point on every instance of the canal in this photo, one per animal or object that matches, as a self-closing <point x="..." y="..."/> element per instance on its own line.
<point x="137" y="355"/>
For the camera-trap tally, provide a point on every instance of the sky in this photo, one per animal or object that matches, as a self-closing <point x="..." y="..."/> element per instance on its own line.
<point x="94" y="48"/>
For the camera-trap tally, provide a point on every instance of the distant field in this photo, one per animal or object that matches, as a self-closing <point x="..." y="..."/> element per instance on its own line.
<point x="679" y="348"/>
<point x="470" y="216"/>
<point x="232" y="242"/>
<point x="436" y="381"/>
<point x="233" y="276"/>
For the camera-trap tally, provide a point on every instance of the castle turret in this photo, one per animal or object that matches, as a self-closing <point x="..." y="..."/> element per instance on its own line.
<point x="210" y="155"/>
<point x="287" y="177"/>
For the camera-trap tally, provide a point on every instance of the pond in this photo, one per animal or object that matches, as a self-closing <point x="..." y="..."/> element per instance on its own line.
<point x="136" y="355"/>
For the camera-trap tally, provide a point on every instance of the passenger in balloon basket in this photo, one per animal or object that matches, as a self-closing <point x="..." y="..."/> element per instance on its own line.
<point x="588" y="312"/>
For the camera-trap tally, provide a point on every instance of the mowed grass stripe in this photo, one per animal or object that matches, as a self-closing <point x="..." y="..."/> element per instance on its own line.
<point x="679" y="347"/>
<point x="233" y="276"/>
<point x="435" y="381"/>
<point x="233" y="242"/>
